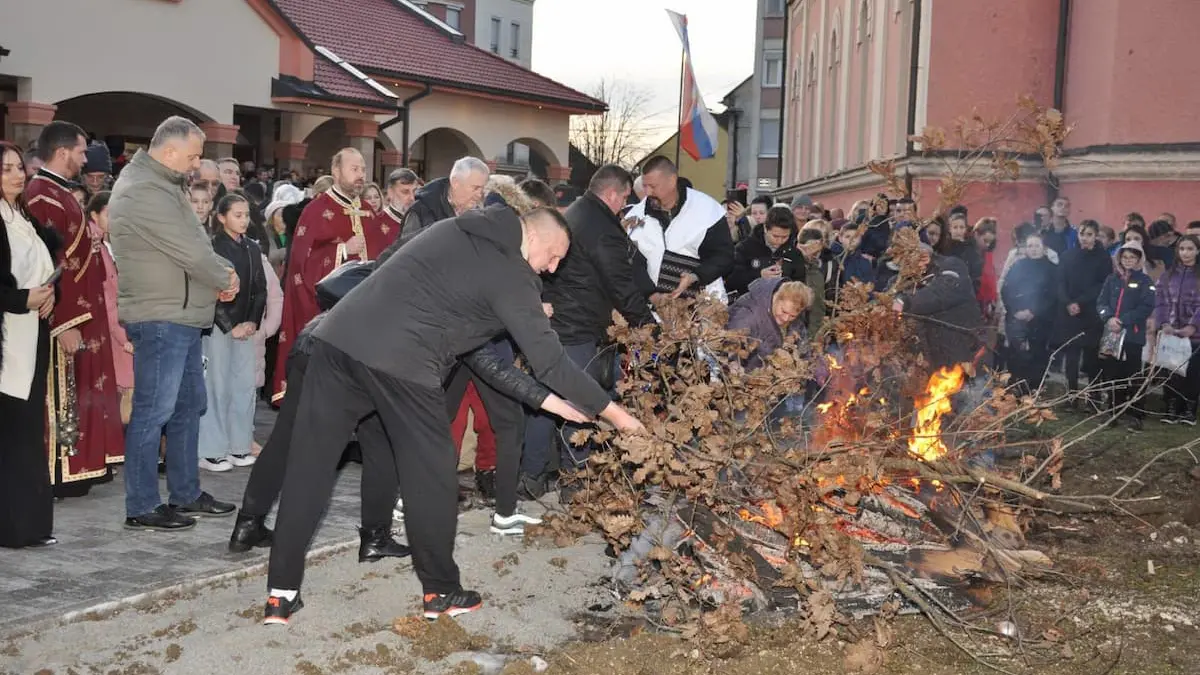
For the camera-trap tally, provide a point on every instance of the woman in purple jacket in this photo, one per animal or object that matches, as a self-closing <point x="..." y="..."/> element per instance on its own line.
<point x="770" y="309"/>
<point x="1177" y="311"/>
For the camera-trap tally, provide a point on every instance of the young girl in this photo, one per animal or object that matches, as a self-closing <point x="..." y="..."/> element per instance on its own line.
<point x="958" y="243"/>
<point x="226" y="429"/>
<point x="985" y="245"/>
<point x="1125" y="304"/>
<point x="373" y="196"/>
<point x="1028" y="293"/>
<point x="1177" y="310"/>
<point x="1078" y="326"/>
<point x="122" y="348"/>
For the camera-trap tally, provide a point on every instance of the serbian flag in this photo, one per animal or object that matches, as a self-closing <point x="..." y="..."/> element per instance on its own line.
<point x="697" y="128"/>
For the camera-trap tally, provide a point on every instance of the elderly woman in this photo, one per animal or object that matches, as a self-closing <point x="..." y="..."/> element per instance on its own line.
<point x="26" y="300"/>
<point x="771" y="309"/>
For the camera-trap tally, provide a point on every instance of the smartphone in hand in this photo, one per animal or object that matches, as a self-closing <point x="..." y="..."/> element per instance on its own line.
<point x="54" y="276"/>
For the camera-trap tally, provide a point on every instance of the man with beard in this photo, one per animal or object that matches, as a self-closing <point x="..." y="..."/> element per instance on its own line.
<point x="402" y="187"/>
<point x="335" y="227"/>
<point x="79" y="321"/>
<point x="448" y="197"/>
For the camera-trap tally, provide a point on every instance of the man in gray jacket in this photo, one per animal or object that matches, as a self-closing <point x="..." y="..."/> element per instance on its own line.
<point x="167" y="292"/>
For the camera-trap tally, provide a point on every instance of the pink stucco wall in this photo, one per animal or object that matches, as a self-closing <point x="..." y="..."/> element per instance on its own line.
<point x="985" y="54"/>
<point x="1109" y="200"/>
<point x="1133" y="72"/>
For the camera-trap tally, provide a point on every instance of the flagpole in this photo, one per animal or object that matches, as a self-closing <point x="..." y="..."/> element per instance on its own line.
<point x="679" y="117"/>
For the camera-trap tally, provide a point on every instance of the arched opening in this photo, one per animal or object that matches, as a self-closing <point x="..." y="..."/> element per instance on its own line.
<point x="124" y="120"/>
<point x="324" y="142"/>
<point x="527" y="157"/>
<point x="434" y="152"/>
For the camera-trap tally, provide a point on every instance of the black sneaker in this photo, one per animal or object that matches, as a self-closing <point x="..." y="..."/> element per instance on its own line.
<point x="206" y="505"/>
<point x="280" y="610"/>
<point x="485" y="483"/>
<point x="451" y="604"/>
<point x="532" y="488"/>
<point x="1187" y="414"/>
<point x="162" y="518"/>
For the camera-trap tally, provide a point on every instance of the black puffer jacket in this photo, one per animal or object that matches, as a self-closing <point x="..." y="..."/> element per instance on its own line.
<point x="432" y="205"/>
<point x="595" y="277"/>
<point x="251" y="301"/>
<point x="1031" y="285"/>
<point x="945" y="296"/>
<point x="752" y="255"/>
<point x="968" y="252"/>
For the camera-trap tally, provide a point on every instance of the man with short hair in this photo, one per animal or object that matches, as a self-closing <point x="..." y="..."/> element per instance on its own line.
<point x="424" y="313"/>
<point x="334" y="227"/>
<point x="79" y="321"/>
<point x="210" y="173"/>
<point x="1058" y="234"/>
<point x="401" y="187"/>
<point x="538" y="191"/>
<point x="447" y="197"/>
<point x="230" y="173"/>
<point x="687" y="228"/>
<point x="949" y="321"/>
<point x="32" y="162"/>
<point x="594" y="279"/>
<point x="168" y="289"/>
<point x="769" y="252"/>
<point x="97" y="170"/>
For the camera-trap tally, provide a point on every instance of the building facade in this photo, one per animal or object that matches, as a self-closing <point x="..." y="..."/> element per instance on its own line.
<point x="865" y="75"/>
<point x="390" y="78"/>
<point x="755" y="106"/>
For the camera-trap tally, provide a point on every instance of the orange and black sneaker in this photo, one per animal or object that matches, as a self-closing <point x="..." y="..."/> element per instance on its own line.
<point x="280" y="609"/>
<point x="451" y="604"/>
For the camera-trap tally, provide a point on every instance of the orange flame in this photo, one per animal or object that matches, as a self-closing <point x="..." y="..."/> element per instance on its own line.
<point x="926" y="441"/>
<point x="772" y="515"/>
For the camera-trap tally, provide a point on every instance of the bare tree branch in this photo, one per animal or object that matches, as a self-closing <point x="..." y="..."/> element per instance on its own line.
<point x="619" y="135"/>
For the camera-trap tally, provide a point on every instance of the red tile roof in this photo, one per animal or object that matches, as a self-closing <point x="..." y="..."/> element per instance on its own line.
<point x="341" y="84"/>
<point x="385" y="37"/>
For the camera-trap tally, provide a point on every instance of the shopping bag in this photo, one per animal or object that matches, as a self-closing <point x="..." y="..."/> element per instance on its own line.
<point x="1172" y="353"/>
<point x="1111" y="344"/>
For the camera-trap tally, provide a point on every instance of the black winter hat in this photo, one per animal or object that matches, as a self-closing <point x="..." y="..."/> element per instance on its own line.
<point x="98" y="159"/>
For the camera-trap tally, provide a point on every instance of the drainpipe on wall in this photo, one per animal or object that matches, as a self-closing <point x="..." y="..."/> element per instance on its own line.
<point x="1060" y="78"/>
<point x="783" y="97"/>
<point x="733" y="169"/>
<point x="914" y="68"/>
<point x="403" y="117"/>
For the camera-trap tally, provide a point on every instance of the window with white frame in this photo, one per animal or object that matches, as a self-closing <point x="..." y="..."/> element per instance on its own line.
<point x="768" y="137"/>
<point x="514" y="47"/>
<point x="454" y="18"/>
<point x="772" y="69"/>
<point x="775" y="7"/>
<point x="494" y="44"/>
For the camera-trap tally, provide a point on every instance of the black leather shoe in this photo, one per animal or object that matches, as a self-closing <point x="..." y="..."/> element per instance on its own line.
<point x="163" y="518"/>
<point x="206" y="505"/>
<point x="377" y="544"/>
<point x="43" y="542"/>
<point x="249" y="532"/>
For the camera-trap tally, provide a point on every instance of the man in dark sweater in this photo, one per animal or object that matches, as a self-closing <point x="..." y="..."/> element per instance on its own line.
<point x="388" y="348"/>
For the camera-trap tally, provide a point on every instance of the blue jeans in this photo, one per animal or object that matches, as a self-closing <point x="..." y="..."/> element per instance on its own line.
<point x="227" y="427"/>
<point x="168" y="397"/>
<point x="541" y="430"/>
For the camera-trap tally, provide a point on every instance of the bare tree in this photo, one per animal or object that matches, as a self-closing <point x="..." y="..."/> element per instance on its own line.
<point x="619" y="135"/>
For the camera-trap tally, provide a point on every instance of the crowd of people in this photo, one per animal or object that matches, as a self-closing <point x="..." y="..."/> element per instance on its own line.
<point x="143" y="318"/>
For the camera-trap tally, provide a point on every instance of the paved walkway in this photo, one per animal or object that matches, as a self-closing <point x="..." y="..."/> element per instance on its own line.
<point x="98" y="561"/>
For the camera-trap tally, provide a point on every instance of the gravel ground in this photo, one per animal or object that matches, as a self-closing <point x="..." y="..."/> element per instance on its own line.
<point x="348" y="625"/>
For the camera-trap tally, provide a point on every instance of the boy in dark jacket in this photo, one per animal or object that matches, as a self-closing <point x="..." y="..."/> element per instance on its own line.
<point x="768" y="253"/>
<point x="852" y="264"/>
<point x="944" y="295"/>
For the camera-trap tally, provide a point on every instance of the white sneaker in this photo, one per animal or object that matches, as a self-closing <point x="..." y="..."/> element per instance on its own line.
<point x="514" y="524"/>
<point x="398" y="511"/>
<point x="242" y="460"/>
<point x="216" y="465"/>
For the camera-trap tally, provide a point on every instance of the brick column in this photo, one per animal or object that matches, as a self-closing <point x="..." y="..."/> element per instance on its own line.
<point x="290" y="156"/>
<point x="558" y="174"/>
<point x="219" y="139"/>
<point x="392" y="160"/>
<point x="26" y="119"/>
<point x="361" y="136"/>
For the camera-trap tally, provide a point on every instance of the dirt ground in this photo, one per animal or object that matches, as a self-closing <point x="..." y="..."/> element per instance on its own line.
<point x="1122" y="599"/>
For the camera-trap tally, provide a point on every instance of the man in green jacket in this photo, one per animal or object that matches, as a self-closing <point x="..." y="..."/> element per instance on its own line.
<point x="170" y="280"/>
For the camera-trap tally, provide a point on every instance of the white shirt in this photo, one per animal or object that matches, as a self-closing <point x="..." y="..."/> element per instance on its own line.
<point x="31" y="267"/>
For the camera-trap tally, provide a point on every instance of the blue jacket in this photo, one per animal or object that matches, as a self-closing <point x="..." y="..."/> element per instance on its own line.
<point x="852" y="265"/>
<point x="1131" y="300"/>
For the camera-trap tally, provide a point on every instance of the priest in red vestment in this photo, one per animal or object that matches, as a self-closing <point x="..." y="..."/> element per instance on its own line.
<point x="336" y="226"/>
<point x="79" y="324"/>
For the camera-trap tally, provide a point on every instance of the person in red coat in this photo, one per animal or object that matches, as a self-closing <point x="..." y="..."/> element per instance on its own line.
<point x="79" y="323"/>
<point x="336" y="226"/>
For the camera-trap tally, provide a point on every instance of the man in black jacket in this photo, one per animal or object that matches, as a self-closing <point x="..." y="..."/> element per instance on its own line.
<point x="769" y="252"/>
<point x="387" y="348"/>
<point x="596" y="277"/>
<point x="944" y="310"/>
<point x="447" y="197"/>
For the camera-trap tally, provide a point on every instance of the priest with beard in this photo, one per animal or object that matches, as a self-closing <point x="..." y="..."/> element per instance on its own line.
<point x="336" y="226"/>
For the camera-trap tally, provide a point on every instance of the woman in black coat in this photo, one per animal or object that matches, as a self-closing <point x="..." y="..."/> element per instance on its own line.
<point x="1077" y="324"/>
<point x="1029" y="298"/>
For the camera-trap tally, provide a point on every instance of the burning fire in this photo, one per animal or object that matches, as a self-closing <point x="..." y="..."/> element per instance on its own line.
<point x="926" y="441"/>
